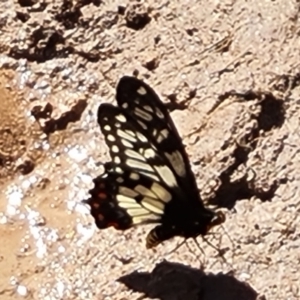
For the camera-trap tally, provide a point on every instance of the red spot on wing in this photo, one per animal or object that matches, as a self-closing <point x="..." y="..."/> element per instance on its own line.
<point x="100" y="217"/>
<point x="94" y="205"/>
<point x="102" y="195"/>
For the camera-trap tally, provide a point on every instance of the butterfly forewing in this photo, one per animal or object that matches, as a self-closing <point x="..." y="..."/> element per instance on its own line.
<point x="129" y="147"/>
<point x="143" y="104"/>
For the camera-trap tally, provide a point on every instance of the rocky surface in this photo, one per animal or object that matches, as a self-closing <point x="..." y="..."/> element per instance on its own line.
<point x="230" y="72"/>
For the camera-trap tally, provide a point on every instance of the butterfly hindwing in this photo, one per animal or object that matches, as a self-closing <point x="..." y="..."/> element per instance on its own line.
<point x="126" y="198"/>
<point x="123" y="198"/>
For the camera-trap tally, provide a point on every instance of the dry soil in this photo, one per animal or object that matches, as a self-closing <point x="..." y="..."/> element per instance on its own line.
<point x="233" y="68"/>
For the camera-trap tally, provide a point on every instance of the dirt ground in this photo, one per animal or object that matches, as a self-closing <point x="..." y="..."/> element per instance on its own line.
<point x="232" y="65"/>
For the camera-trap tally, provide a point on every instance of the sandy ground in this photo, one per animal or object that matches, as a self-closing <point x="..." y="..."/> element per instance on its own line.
<point x="233" y="66"/>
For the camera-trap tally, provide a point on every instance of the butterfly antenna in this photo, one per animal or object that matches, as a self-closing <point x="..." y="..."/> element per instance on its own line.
<point x="218" y="233"/>
<point x="220" y="252"/>
<point x="228" y="235"/>
<point x="200" y="248"/>
<point x="198" y="245"/>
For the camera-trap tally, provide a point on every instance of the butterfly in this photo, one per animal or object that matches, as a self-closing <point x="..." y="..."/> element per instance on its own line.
<point x="149" y="178"/>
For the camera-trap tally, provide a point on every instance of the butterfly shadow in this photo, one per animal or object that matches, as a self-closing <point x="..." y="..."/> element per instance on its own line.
<point x="271" y="116"/>
<point x="174" y="281"/>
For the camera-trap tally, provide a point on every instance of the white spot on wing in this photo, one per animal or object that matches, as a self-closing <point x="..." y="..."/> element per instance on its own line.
<point x="142" y="124"/>
<point x="141" y="137"/>
<point x="114" y="149"/>
<point x="167" y="175"/>
<point x="125" y="203"/>
<point x="139" y="211"/>
<point x="107" y="128"/>
<point x="154" y="132"/>
<point x="118" y="170"/>
<point x="134" y="176"/>
<point x="142" y="91"/>
<point x="162" y="135"/>
<point x="142" y="114"/>
<point x="125" y="135"/>
<point x="148" y="108"/>
<point x="127" y="192"/>
<point x="130" y="132"/>
<point x="177" y="162"/>
<point x="111" y="138"/>
<point x="153" y="205"/>
<point x="145" y="218"/>
<point x="159" y="113"/>
<point x="149" y="153"/>
<point x="126" y="143"/>
<point x="117" y="159"/>
<point x="144" y="191"/>
<point x="134" y="154"/>
<point x="121" y="118"/>
<point x="161" y="192"/>
<point x="120" y="180"/>
<point x="138" y="165"/>
<point x="125" y="199"/>
<point x="151" y="175"/>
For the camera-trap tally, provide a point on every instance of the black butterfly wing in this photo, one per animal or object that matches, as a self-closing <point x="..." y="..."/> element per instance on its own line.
<point x="141" y="102"/>
<point x="149" y="179"/>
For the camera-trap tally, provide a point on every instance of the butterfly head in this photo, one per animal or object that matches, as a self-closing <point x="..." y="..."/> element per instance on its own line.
<point x="202" y="222"/>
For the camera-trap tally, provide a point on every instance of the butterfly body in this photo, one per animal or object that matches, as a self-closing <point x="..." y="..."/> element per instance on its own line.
<point x="149" y="179"/>
<point x="180" y="220"/>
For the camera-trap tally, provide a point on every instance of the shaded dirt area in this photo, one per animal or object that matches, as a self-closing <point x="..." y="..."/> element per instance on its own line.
<point x="228" y="71"/>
